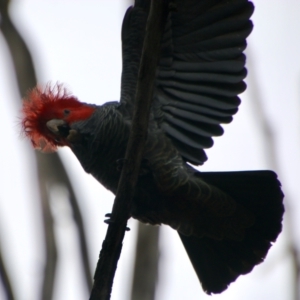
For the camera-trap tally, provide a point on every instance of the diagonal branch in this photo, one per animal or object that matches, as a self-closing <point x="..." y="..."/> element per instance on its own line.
<point x="112" y="245"/>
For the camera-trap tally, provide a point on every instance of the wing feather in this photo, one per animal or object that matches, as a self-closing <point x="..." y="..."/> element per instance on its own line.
<point x="200" y="73"/>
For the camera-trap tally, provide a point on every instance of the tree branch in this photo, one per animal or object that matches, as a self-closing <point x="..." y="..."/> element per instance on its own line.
<point x="112" y="245"/>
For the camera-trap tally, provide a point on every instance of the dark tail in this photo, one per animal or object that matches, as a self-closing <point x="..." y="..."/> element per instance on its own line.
<point x="219" y="262"/>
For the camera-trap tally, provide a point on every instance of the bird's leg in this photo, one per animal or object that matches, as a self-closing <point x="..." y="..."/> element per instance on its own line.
<point x="144" y="168"/>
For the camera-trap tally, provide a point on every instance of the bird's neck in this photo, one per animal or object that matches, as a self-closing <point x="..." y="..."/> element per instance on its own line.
<point x="104" y="141"/>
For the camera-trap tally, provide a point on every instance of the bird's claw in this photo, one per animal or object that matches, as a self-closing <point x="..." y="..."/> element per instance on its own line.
<point x="110" y="221"/>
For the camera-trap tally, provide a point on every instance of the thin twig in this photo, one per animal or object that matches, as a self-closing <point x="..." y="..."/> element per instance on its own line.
<point x="112" y="245"/>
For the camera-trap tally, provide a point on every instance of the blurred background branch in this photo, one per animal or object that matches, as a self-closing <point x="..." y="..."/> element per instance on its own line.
<point x="6" y="280"/>
<point x="50" y="167"/>
<point x="271" y="157"/>
<point x="146" y="263"/>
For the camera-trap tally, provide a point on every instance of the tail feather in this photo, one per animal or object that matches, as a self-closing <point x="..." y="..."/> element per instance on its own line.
<point x="258" y="191"/>
<point x="219" y="262"/>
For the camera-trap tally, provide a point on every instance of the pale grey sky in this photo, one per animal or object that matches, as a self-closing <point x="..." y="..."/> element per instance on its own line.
<point x="78" y="43"/>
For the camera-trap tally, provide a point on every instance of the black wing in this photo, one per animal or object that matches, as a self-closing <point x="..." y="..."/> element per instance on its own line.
<point x="200" y="73"/>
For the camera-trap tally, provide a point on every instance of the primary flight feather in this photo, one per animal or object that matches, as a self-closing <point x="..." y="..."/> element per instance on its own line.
<point x="227" y="221"/>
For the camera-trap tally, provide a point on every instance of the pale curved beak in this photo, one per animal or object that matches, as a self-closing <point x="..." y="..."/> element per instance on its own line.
<point x="54" y="124"/>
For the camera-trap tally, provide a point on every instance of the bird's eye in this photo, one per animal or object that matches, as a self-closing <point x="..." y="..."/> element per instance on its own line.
<point x="66" y="112"/>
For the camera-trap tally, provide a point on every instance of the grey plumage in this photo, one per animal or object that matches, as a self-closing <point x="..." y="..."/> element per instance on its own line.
<point x="226" y="221"/>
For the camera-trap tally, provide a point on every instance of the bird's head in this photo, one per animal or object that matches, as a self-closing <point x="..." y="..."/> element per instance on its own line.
<point x="48" y="115"/>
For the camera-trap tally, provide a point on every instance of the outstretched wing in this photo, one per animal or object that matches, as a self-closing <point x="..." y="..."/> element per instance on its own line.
<point x="200" y="73"/>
